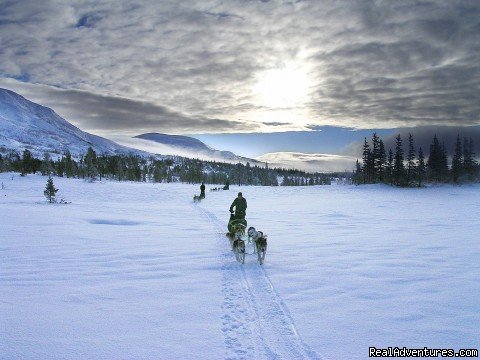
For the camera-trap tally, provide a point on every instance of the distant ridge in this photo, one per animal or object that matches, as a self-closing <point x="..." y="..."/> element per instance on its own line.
<point x="175" y="140"/>
<point x="191" y="147"/>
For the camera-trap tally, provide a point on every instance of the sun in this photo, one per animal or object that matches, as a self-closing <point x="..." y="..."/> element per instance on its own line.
<point x="284" y="87"/>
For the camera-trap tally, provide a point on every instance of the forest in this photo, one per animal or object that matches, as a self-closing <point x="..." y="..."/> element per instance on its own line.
<point x="411" y="169"/>
<point x="156" y="169"/>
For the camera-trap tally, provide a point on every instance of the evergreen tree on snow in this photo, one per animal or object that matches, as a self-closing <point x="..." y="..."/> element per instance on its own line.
<point x="50" y="191"/>
<point x="469" y="158"/>
<point x="410" y="161"/>
<point x="457" y="161"/>
<point x="435" y="160"/>
<point x="398" y="166"/>
<point x="382" y="159"/>
<point x="47" y="167"/>
<point x="69" y="165"/>
<point x="90" y="161"/>
<point x="375" y="158"/>
<point x="444" y="163"/>
<point x="421" y="168"/>
<point x="389" y="168"/>
<point x="366" y="159"/>
<point x="357" y="173"/>
<point x="26" y="162"/>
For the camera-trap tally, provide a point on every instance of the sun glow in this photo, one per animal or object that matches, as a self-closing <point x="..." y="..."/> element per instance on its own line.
<point x="286" y="87"/>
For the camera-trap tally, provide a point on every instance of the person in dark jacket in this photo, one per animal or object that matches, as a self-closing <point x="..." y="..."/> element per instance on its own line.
<point x="227" y="185"/>
<point x="240" y="205"/>
<point x="202" y="190"/>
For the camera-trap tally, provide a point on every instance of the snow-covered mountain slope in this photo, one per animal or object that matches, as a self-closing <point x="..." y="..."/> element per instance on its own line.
<point x="25" y="124"/>
<point x="184" y="146"/>
<point x="176" y="140"/>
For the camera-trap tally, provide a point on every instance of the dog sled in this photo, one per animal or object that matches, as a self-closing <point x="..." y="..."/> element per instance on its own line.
<point x="243" y="242"/>
<point x="198" y="198"/>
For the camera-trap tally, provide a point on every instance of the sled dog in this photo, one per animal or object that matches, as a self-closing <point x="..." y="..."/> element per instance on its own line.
<point x="260" y="241"/>
<point x="238" y="245"/>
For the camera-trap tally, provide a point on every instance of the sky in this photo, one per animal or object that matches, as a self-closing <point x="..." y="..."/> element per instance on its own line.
<point x="319" y="70"/>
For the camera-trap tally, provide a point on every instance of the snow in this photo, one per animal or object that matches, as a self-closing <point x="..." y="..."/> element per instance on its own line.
<point x="135" y="270"/>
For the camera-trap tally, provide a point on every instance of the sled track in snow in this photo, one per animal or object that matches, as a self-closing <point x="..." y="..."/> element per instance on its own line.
<point x="256" y="323"/>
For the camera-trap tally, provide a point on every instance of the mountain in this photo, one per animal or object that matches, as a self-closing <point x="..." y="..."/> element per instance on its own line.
<point x="25" y="124"/>
<point x="185" y="142"/>
<point x="184" y="146"/>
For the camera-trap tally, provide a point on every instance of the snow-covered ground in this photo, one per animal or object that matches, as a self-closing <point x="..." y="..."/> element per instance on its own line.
<point x="138" y="271"/>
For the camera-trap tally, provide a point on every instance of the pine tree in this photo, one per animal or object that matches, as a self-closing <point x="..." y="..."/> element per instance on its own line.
<point x="465" y="153"/>
<point x="26" y="162"/>
<point x="457" y="161"/>
<point x="421" y="168"/>
<point x="410" y="161"/>
<point x="375" y="158"/>
<point x="366" y="159"/>
<point x="469" y="158"/>
<point x="472" y="161"/>
<point x="444" y="163"/>
<point x="47" y="166"/>
<point x="119" y="170"/>
<point x="398" y="166"/>
<point x="70" y="165"/>
<point x="90" y="160"/>
<point x="434" y="162"/>
<point x="357" y="173"/>
<point x="389" y="168"/>
<point x="60" y="167"/>
<point x="381" y="162"/>
<point x="50" y="191"/>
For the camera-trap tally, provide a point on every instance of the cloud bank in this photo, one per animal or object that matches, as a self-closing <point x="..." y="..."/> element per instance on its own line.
<point x="309" y="162"/>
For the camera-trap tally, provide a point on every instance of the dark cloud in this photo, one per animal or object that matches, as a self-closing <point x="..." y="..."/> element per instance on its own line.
<point x="416" y="66"/>
<point x="273" y="123"/>
<point x="422" y="138"/>
<point x="106" y="114"/>
<point x="371" y="64"/>
<point x="89" y="20"/>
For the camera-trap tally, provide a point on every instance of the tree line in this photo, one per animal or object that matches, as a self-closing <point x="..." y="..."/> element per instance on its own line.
<point x="133" y="167"/>
<point x="411" y="169"/>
